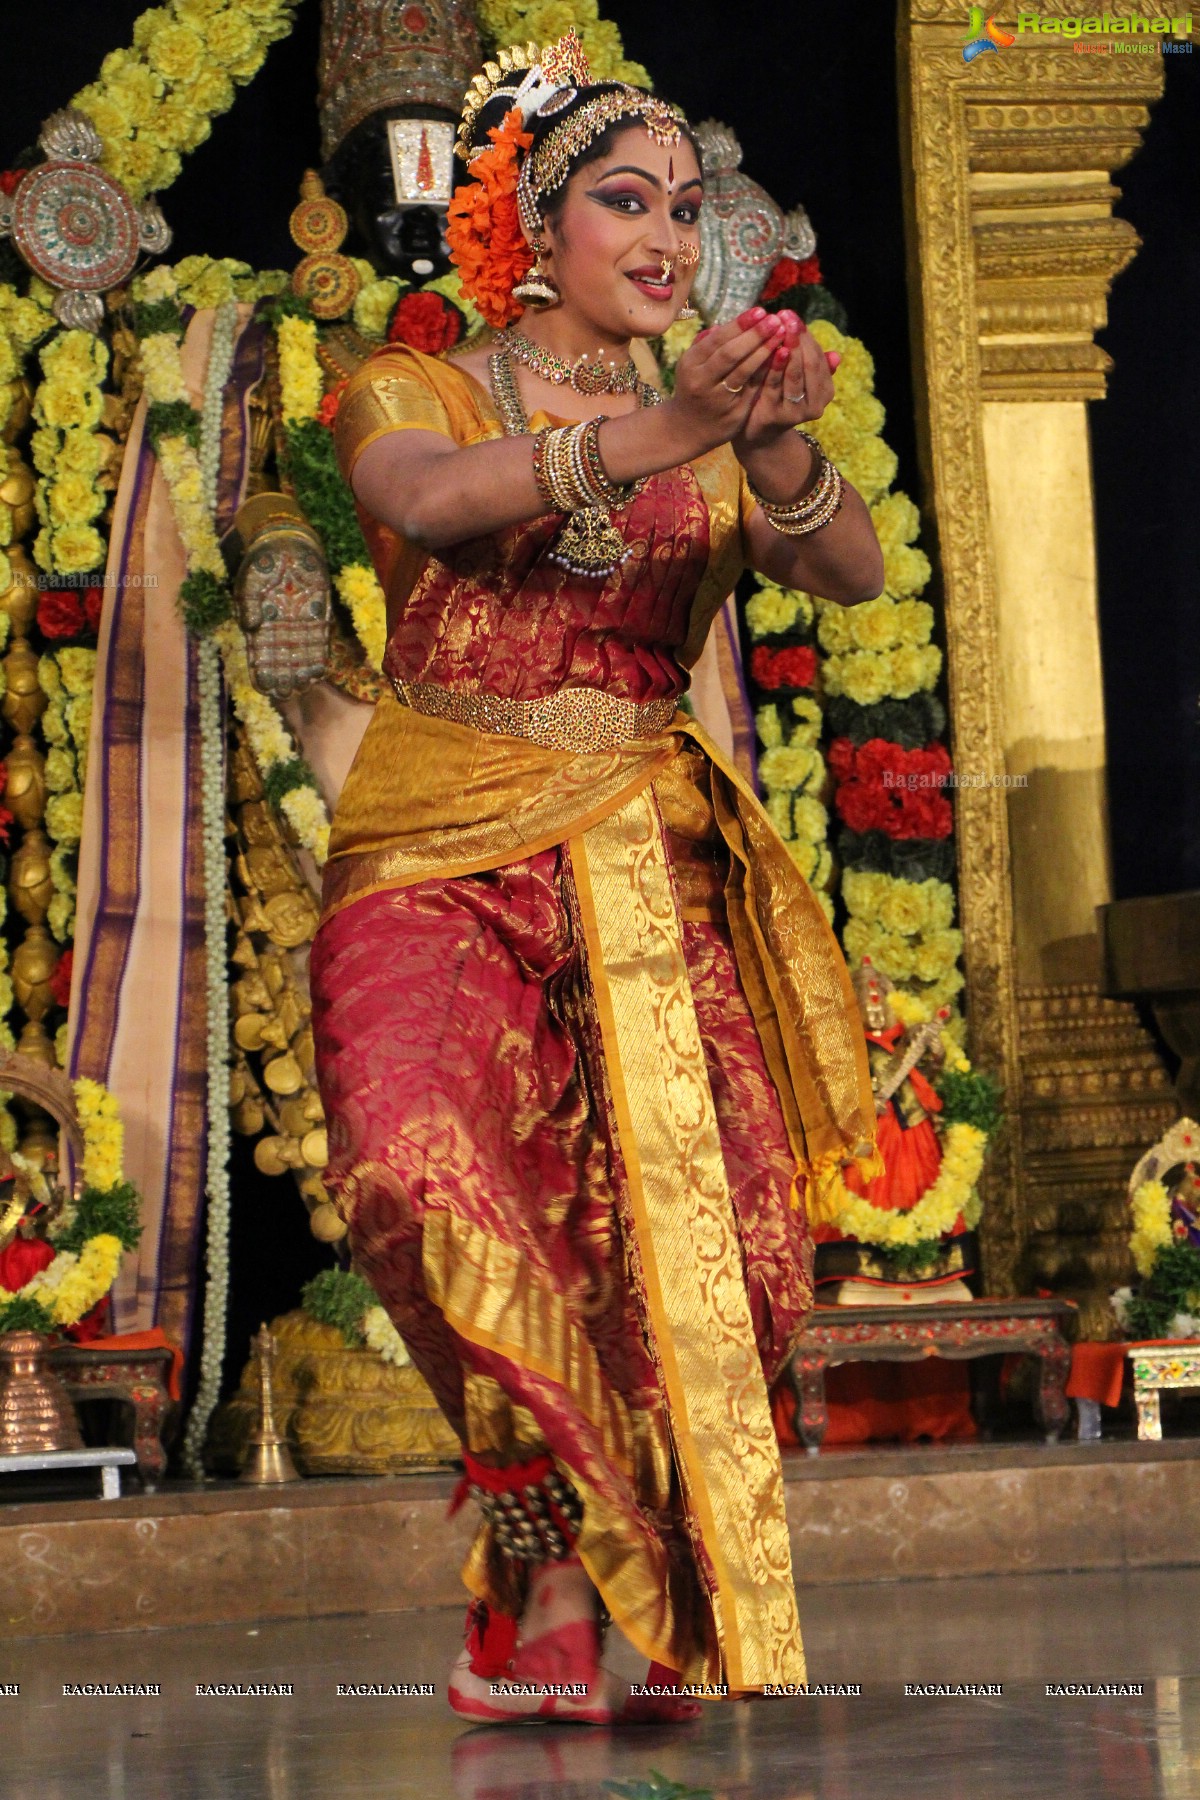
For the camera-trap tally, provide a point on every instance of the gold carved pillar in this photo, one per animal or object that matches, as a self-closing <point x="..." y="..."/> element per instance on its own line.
<point x="1013" y="247"/>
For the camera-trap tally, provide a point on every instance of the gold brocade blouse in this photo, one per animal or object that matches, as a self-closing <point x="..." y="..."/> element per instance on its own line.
<point x="496" y="613"/>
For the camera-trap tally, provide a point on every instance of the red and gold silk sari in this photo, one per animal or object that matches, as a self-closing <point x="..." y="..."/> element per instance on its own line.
<point x="584" y="1036"/>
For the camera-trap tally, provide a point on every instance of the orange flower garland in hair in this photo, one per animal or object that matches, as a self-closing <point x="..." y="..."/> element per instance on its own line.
<point x="487" y="245"/>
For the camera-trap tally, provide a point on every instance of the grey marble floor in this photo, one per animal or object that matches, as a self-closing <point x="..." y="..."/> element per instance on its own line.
<point x="1020" y="1631"/>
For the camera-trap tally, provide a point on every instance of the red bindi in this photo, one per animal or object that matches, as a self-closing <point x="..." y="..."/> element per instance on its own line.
<point x="671" y="171"/>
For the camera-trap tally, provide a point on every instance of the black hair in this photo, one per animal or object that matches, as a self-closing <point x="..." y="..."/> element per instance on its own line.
<point x="492" y="115"/>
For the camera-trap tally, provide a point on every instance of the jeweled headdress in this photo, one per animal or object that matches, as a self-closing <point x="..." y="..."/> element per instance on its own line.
<point x="494" y="216"/>
<point x="382" y="53"/>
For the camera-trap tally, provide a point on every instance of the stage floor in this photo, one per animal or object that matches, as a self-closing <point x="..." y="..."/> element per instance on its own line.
<point x="1020" y="1631"/>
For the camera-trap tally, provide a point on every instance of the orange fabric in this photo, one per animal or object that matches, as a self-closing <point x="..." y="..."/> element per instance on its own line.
<point x="872" y="1401"/>
<point x="1097" y="1370"/>
<point x="911" y="1160"/>
<point x="155" y="1339"/>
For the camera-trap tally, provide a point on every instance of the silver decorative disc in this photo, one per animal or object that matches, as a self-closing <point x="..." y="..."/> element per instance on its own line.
<point x="75" y="226"/>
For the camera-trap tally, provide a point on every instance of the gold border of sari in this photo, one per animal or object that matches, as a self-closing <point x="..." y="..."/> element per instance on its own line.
<point x="719" y="1411"/>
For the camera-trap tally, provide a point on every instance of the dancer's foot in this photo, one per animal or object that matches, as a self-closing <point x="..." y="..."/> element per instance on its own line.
<point x="554" y="1672"/>
<point x="644" y="1706"/>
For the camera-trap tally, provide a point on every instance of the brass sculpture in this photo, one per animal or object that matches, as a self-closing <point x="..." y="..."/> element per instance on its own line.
<point x="269" y="1461"/>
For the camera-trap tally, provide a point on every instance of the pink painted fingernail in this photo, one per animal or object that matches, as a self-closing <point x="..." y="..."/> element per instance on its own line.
<point x="751" y="316"/>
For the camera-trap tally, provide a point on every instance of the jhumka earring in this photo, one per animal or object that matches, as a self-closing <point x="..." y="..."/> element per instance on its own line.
<point x="688" y="257"/>
<point x="538" y="287"/>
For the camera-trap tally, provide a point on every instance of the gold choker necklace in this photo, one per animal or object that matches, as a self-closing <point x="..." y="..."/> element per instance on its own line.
<point x="599" y="377"/>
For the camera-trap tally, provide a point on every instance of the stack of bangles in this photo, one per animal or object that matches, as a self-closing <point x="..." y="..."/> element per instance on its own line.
<point x="795" y="518"/>
<point x="569" y="474"/>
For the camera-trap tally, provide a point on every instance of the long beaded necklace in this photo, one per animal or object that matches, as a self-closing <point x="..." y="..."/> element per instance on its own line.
<point x="590" y="378"/>
<point x="589" y="543"/>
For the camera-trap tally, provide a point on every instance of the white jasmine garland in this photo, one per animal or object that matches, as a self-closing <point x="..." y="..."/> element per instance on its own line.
<point x="212" y="766"/>
<point x="381" y="1336"/>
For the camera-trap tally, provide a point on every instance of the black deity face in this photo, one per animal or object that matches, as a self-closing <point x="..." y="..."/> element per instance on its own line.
<point x="399" y="237"/>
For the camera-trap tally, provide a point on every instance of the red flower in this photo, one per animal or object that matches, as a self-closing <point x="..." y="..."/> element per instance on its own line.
<point x="9" y="180"/>
<point x="425" y="322"/>
<point x="788" y="273"/>
<point x="93" y="606"/>
<point x="60" y="981"/>
<point x="92" y="1325"/>
<point x="327" y="412"/>
<point x="6" y="820"/>
<point x="60" y="614"/>
<point x="885" y="788"/>
<point x="794" y="667"/>
<point x="23" y="1259"/>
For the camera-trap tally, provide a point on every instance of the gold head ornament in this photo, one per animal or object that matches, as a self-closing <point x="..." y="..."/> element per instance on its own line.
<point x="871" y="990"/>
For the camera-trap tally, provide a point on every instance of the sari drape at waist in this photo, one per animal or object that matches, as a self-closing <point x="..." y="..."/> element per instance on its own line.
<point x="429" y="798"/>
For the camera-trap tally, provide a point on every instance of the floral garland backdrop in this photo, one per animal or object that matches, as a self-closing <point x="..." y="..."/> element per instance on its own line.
<point x="51" y="1282"/>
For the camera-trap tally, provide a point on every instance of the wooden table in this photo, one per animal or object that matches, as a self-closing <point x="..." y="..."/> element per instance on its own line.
<point x="908" y="1333"/>
<point x="137" y="1376"/>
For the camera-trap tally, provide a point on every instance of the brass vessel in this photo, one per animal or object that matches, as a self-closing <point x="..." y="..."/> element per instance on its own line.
<point x="36" y="1414"/>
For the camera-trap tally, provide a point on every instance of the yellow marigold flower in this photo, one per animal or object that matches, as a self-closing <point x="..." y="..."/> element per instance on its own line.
<point x="936" y="955"/>
<point x="940" y="901"/>
<point x="863" y="891"/>
<point x="77" y="666"/>
<point x="837" y="436"/>
<point x="60" y="917"/>
<point x="73" y="500"/>
<point x="896" y="521"/>
<point x="77" y="549"/>
<point x="905" y="570"/>
<point x="861" y="676"/>
<point x="135" y="164"/>
<point x="805" y="856"/>
<point x="74" y="355"/>
<point x="26" y="321"/>
<point x="910" y="1009"/>
<point x="178" y="126"/>
<point x="896" y="956"/>
<point x="49" y="679"/>
<point x="942" y="993"/>
<point x="679" y="337"/>
<point x="857" y="367"/>
<point x="790" y="766"/>
<point x="60" y="771"/>
<point x="6" y="524"/>
<point x="136" y="90"/>
<point x="64" y="817"/>
<point x="835" y="630"/>
<point x="212" y="287"/>
<point x="373" y="306"/>
<point x="772" y="608"/>
<point x="768" y="725"/>
<point x="211" y="93"/>
<point x="903" y="907"/>
<point x="862" y="412"/>
<point x="197" y="12"/>
<point x="229" y="36"/>
<point x="245" y="68"/>
<point x="912" y="669"/>
<point x="176" y="52"/>
<point x="806" y="710"/>
<point x="858" y="940"/>
<point x="111" y="121"/>
<point x="811" y="819"/>
<point x="823" y="874"/>
<point x="870" y="467"/>
<point x="778" y="808"/>
<point x="299" y="371"/>
<point x="873" y="625"/>
<point x="360" y="592"/>
<point x="914" y="621"/>
<point x="80" y="453"/>
<point x="158" y="284"/>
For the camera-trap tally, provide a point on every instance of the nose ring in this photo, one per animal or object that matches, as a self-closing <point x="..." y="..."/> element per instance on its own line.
<point x="688" y="255"/>
<point x="667" y="265"/>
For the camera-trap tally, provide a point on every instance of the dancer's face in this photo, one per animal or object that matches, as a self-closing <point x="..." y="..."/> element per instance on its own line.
<point x="620" y="217"/>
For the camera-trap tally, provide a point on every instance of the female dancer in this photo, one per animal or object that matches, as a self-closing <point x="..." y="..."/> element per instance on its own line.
<point x="584" y="1035"/>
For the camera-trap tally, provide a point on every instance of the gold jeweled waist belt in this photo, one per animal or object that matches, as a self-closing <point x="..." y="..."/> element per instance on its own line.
<point x="575" y="718"/>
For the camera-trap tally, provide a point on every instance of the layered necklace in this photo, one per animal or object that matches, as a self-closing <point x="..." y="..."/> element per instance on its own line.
<point x="590" y="378"/>
<point x="589" y="542"/>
